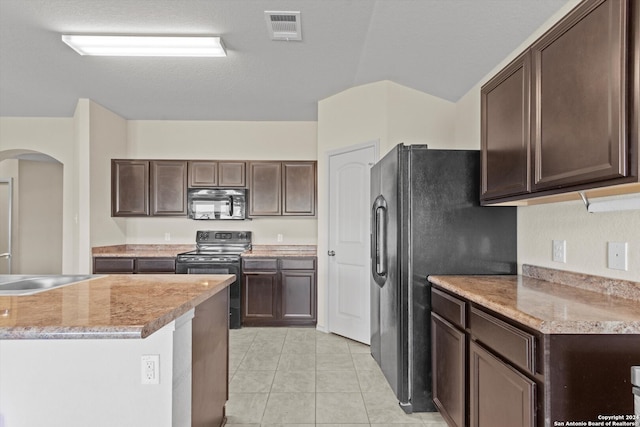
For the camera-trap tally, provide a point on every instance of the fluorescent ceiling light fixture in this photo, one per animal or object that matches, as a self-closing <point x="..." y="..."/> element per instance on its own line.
<point x="103" y="45"/>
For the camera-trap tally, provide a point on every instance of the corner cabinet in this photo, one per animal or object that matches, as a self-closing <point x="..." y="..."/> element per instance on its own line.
<point x="282" y="188"/>
<point x="563" y="115"/>
<point x="279" y="291"/>
<point x="489" y="370"/>
<point x="148" y="187"/>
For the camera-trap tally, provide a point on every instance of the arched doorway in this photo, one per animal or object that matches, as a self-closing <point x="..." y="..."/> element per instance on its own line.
<point x="30" y="212"/>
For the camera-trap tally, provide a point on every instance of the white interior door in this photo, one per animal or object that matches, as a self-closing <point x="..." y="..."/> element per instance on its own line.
<point x="349" y="260"/>
<point x="5" y="225"/>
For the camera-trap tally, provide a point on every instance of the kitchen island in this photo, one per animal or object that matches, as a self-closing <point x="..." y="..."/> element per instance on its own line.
<point x="76" y="355"/>
<point x="545" y="348"/>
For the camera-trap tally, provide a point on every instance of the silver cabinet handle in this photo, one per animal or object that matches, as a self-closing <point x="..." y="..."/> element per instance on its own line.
<point x="331" y="253"/>
<point x="5" y="255"/>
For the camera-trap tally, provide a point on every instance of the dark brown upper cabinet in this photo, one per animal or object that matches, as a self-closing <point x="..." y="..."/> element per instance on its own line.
<point x="506" y="132"/>
<point x="217" y="174"/>
<point x="148" y="187"/>
<point x="168" y="187"/>
<point x="129" y="187"/>
<point x="579" y="81"/>
<point x="282" y="188"/>
<point x="579" y="97"/>
<point x="299" y="188"/>
<point x="265" y="188"/>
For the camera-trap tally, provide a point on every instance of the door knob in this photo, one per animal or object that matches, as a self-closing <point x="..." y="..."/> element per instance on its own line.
<point x="331" y="253"/>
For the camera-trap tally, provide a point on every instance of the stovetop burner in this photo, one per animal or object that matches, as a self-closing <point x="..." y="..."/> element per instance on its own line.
<point x="219" y="244"/>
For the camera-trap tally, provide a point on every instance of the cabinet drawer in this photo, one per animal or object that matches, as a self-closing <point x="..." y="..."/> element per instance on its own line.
<point x="298" y="263"/>
<point x="113" y="265"/>
<point x="259" y="264"/>
<point x="449" y="307"/>
<point x="156" y="265"/>
<point x="510" y="342"/>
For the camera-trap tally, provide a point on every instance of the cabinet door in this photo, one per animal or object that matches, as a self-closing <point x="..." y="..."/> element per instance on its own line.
<point x="129" y="187"/>
<point x="448" y="359"/>
<point x="168" y="187"/>
<point x="111" y="265"/>
<point x="231" y="174"/>
<point x="498" y="394"/>
<point x="203" y="174"/>
<point x="299" y="188"/>
<point x="156" y="265"/>
<point x="265" y="184"/>
<point x="579" y="97"/>
<point x="298" y="295"/>
<point x="259" y="297"/>
<point x="505" y="105"/>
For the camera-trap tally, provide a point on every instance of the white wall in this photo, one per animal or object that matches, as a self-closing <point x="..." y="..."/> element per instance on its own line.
<point x="39" y="233"/>
<point x="108" y="139"/>
<point x="586" y="234"/>
<point x="221" y="140"/>
<point x="54" y="137"/>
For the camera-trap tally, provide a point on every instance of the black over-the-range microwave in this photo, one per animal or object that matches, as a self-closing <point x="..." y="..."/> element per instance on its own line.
<point x="217" y="203"/>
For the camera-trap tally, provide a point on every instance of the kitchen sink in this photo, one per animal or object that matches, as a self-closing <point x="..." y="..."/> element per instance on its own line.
<point x="15" y="284"/>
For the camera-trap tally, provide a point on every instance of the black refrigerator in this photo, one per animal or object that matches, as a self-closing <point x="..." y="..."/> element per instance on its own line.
<point x="426" y="219"/>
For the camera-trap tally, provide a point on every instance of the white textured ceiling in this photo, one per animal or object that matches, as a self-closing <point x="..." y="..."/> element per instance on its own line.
<point x="441" y="47"/>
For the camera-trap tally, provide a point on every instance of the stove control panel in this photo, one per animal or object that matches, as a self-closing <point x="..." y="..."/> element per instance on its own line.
<point x="220" y="237"/>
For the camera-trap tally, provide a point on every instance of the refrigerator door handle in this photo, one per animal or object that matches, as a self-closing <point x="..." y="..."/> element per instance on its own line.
<point x="379" y="240"/>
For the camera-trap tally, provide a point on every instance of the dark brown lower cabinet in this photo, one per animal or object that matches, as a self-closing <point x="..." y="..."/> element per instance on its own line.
<point x="449" y="368"/>
<point x="210" y="361"/>
<point x="133" y="265"/>
<point x="279" y="291"/>
<point x="501" y="373"/>
<point x="298" y="298"/>
<point x="499" y="395"/>
<point x="260" y="297"/>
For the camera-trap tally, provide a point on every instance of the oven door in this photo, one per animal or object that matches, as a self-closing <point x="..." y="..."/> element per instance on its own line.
<point x="214" y="267"/>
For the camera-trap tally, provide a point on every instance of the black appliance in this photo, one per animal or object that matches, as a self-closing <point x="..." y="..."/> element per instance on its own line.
<point x="217" y="203"/>
<point x="426" y="219"/>
<point x="218" y="252"/>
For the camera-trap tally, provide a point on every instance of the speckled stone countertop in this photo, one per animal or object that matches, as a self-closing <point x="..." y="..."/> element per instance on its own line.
<point x="281" y="251"/>
<point x="570" y="304"/>
<point x="141" y="251"/>
<point x="118" y="306"/>
<point x="160" y="250"/>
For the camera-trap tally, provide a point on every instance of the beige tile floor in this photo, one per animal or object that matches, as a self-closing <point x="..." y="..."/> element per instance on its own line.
<point x="300" y="377"/>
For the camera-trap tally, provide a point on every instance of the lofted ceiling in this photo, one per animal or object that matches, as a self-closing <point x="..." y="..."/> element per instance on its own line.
<point x="441" y="47"/>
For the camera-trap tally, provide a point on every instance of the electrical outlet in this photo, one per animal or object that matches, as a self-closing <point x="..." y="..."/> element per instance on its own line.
<point x="280" y="237"/>
<point x="559" y="251"/>
<point x="167" y="237"/>
<point x="150" y="369"/>
<point x="617" y="255"/>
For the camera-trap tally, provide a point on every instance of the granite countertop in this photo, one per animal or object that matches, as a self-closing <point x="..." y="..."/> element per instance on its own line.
<point x="141" y="251"/>
<point x="281" y="251"/>
<point x="118" y="306"/>
<point x="161" y="250"/>
<point x="554" y="302"/>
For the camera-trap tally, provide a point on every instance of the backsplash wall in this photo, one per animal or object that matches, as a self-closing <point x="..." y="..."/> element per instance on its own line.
<point x="586" y="235"/>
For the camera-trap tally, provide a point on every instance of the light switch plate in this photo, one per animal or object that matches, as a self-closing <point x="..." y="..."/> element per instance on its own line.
<point x="559" y="253"/>
<point x="617" y="255"/>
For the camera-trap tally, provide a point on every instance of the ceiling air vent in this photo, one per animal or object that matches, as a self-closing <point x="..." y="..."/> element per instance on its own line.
<point x="283" y="25"/>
